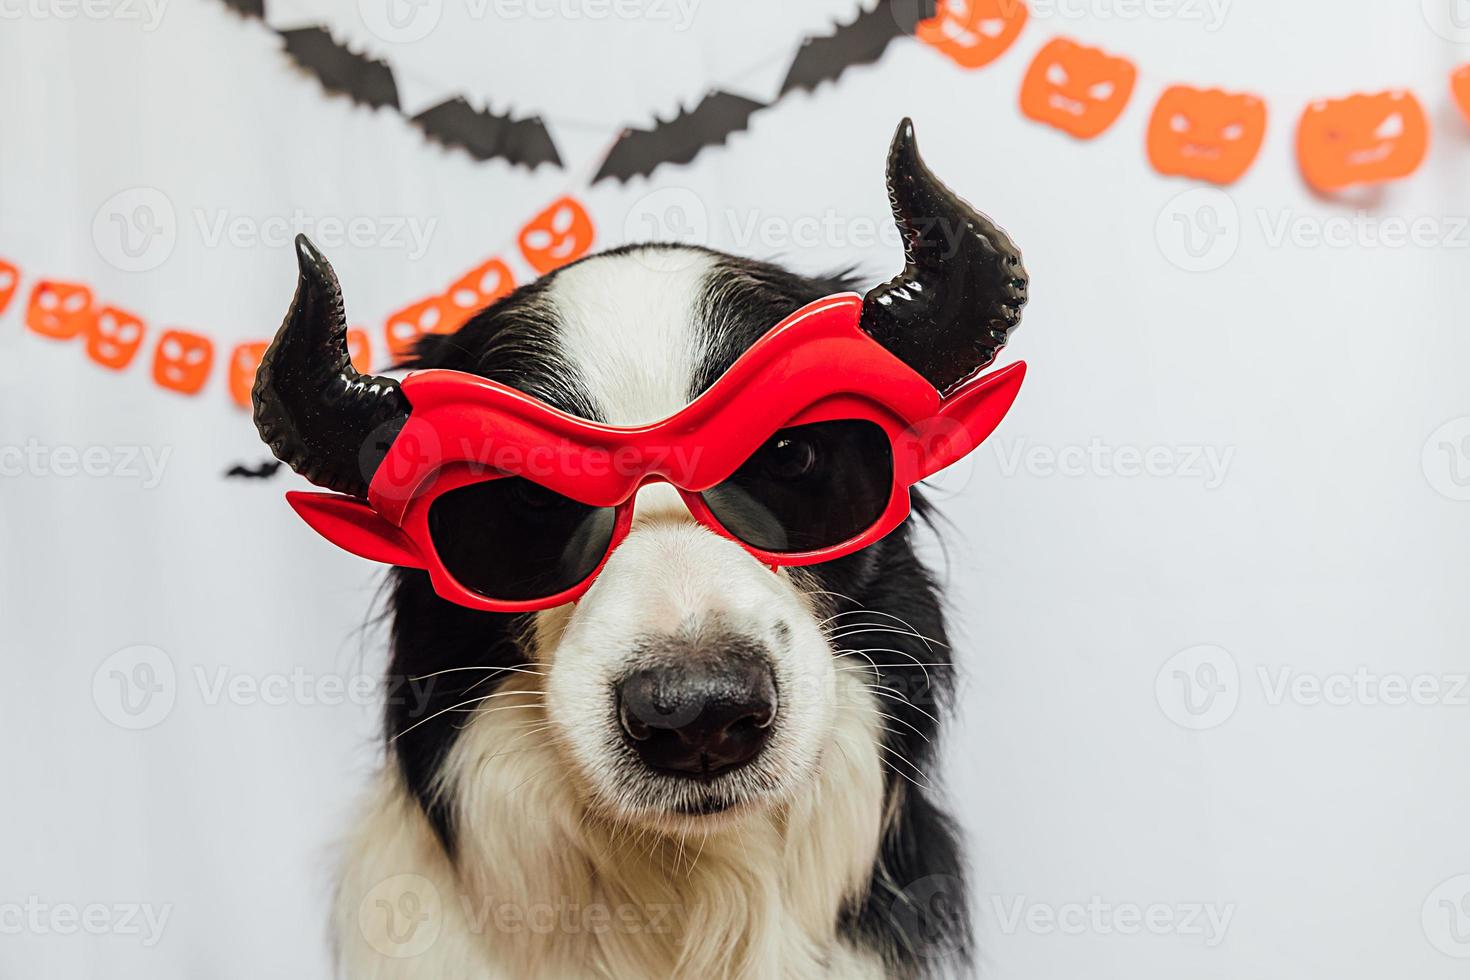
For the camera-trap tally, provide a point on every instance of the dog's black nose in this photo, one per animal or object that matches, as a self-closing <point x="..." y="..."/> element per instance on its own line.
<point x="701" y="717"/>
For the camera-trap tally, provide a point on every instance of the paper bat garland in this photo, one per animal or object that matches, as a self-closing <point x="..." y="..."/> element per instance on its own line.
<point x="680" y="139"/>
<point x="261" y="471"/>
<point x="486" y="135"/>
<point x="824" y="59"/>
<point x="638" y="151"/>
<point x="527" y="142"/>
<point x="365" y="80"/>
<point x="340" y="69"/>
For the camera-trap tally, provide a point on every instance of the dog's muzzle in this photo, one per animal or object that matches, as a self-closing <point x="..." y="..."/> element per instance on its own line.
<point x="699" y="718"/>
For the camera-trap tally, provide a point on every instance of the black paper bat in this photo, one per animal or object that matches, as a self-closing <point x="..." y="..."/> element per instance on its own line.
<point x="824" y="59"/>
<point x="340" y="69"/>
<point x="262" y="471"/>
<point x="486" y="135"/>
<point x="638" y="151"/>
<point x="247" y="8"/>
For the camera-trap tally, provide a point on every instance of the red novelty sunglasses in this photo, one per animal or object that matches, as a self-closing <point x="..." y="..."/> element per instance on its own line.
<point x="802" y="452"/>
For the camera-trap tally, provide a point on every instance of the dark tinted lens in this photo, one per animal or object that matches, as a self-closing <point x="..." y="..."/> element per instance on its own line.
<point x="513" y="539"/>
<point x="809" y="487"/>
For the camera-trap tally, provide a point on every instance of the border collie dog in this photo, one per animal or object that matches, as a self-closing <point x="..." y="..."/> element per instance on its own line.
<point x="518" y="830"/>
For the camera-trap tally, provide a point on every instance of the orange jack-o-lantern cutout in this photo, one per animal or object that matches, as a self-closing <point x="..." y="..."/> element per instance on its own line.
<point x="1362" y="139"/>
<point x="359" y="349"/>
<point x="1078" y="89"/>
<point x="405" y="327"/>
<point x="1205" y="133"/>
<point x="556" y="236"/>
<point x="244" y="362"/>
<point x="477" y="289"/>
<point x="9" y="283"/>
<point x="59" y="309"/>
<point x="973" y="32"/>
<point x="181" y="361"/>
<point x="113" y="337"/>
<point x="1459" y="87"/>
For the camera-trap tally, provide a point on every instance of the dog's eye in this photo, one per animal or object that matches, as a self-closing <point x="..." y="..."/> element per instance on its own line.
<point x="790" y="456"/>
<point x="533" y="496"/>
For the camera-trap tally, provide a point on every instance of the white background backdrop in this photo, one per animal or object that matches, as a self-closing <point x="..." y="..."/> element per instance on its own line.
<point x="1327" y="538"/>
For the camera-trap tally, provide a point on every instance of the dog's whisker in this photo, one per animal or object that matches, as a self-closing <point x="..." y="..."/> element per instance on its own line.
<point x="889" y="692"/>
<point x="904" y="759"/>
<point x="857" y="629"/>
<point x="474" y="700"/>
<point x="864" y="653"/>
<point x="861" y="609"/>
<point x="452" y="670"/>
<point x="903" y="775"/>
<point x="864" y="611"/>
<point x="477" y="711"/>
<point x="902" y="721"/>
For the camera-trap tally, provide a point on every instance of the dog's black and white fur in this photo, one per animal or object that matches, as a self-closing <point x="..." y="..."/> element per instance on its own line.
<point x="832" y="859"/>
<point x="513" y="831"/>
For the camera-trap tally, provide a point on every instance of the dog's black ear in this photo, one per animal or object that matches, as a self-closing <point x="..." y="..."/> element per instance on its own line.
<point x="960" y="294"/>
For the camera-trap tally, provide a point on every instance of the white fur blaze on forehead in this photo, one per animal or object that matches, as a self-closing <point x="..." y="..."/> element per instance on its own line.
<point x="671" y="573"/>
<point x="627" y="325"/>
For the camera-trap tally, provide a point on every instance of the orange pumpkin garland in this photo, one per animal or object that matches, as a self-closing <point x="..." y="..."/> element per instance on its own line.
<point x="1078" y="89"/>
<point x="113" y="338"/>
<point x="973" y="33"/>
<point x="1361" y="139"/>
<point x="1460" y="89"/>
<point x="1206" y="134"/>
<point x="181" y="361"/>
<point x="560" y="234"/>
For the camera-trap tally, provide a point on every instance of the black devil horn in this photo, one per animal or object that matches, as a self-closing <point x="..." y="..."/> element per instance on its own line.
<point x="962" y="287"/>
<point x="318" y="415"/>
